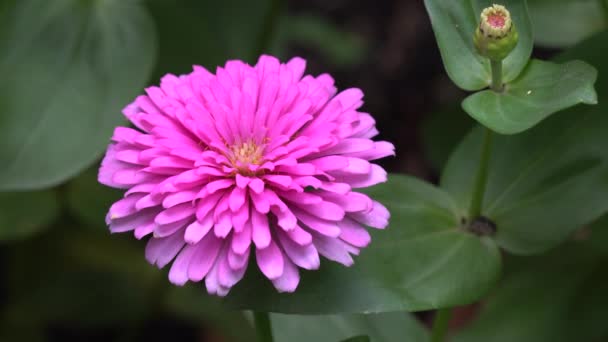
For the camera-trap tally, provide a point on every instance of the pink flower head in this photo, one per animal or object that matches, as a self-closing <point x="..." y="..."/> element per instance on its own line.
<point x="251" y="157"/>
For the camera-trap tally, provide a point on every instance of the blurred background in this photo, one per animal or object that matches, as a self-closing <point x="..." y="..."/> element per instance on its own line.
<point x="63" y="277"/>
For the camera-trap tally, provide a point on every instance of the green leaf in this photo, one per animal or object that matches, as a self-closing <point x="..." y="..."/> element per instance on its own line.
<point x="544" y="88"/>
<point x="423" y="260"/>
<point x="68" y="68"/>
<point x="455" y="21"/>
<point x="563" y="23"/>
<point x="88" y="200"/>
<point x="24" y="214"/>
<point x="388" y="327"/>
<point x="196" y="32"/>
<point x="557" y="297"/>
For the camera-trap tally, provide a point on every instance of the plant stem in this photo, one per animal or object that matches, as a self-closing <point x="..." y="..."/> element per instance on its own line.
<point x="482" y="176"/>
<point x="262" y="326"/>
<point x="496" y="67"/>
<point x="604" y="5"/>
<point x="440" y="324"/>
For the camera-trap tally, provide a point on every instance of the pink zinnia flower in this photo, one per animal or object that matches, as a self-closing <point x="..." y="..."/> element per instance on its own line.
<point x="253" y="157"/>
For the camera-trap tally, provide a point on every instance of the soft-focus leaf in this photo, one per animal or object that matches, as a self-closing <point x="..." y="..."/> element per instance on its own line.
<point x="90" y="280"/>
<point x="455" y="21"/>
<point x="388" y="327"/>
<point x="23" y="214"/>
<point x="562" y="23"/>
<point x="88" y="200"/>
<point x="544" y="88"/>
<point x="361" y="338"/>
<point x="423" y="260"/>
<point x="558" y="297"/>
<point x="196" y="32"/>
<point x="441" y="130"/>
<point x="68" y="68"/>
<point x="549" y="181"/>
<point x="341" y="48"/>
<point x="194" y="304"/>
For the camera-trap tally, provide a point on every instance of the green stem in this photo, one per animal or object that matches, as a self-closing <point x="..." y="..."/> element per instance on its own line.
<point x="440" y="324"/>
<point x="482" y="176"/>
<point x="262" y="326"/>
<point x="496" y="75"/>
<point x="604" y="5"/>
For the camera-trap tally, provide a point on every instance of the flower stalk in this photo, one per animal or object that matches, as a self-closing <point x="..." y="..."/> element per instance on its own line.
<point x="263" y="326"/>
<point x="481" y="179"/>
<point x="441" y="324"/>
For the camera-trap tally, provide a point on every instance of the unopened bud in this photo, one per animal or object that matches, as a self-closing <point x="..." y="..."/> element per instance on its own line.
<point x="496" y="35"/>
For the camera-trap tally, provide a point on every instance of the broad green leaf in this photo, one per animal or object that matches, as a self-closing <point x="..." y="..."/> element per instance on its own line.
<point x="23" y="214"/>
<point x="544" y="88"/>
<point x="387" y="327"/>
<point x="441" y="130"/>
<point x="563" y="23"/>
<point x="558" y="297"/>
<point x="455" y="21"/>
<point x="68" y="68"/>
<point x="549" y="181"/>
<point x="196" y="32"/>
<point x="88" y="200"/>
<point x="423" y="260"/>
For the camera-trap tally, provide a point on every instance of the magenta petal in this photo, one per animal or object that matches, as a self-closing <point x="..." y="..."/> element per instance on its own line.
<point x="174" y="214"/>
<point x="178" y="274"/>
<point x="198" y="229"/>
<point x="270" y="260"/>
<point x="260" y="229"/>
<point x="229" y="275"/>
<point x="299" y="236"/>
<point x="306" y="257"/>
<point x="324" y="210"/>
<point x="333" y="249"/>
<point x="354" y="233"/>
<point x="204" y="257"/>
<point x="160" y="251"/>
<point x="237" y="198"/>
<point x="289" y="280"/>
<point x="377" y="218"/>
<point x="132" y="222"/>
<point x="125" y="206"/>
<point x="242" y="240"/>
<point x="168" y="229"/>
<point x="327" y="228"/>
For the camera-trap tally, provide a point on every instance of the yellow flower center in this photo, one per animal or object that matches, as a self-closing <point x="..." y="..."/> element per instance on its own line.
<point x="244" y="154"/>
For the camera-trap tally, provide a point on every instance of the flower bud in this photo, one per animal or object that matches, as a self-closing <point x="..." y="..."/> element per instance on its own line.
<point x="496" y="35"/>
